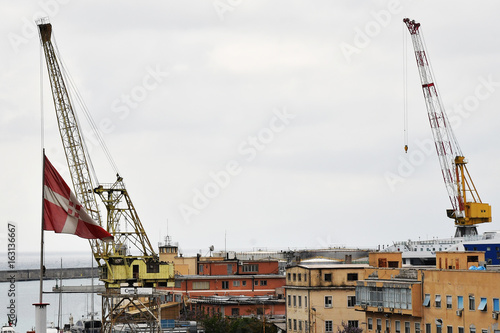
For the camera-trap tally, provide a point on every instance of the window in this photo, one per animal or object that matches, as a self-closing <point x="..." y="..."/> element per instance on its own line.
<point x="263" y="282"/>
<point x="449" y="302"/>
<point x="201" y="285"/>
<point x="379" y="325"/>
<point x="300" y="277"/>
<point x="256" y="283"/>
<point x="289" y="300"/>
<point x="225" y="284"/>
<point x="473" y="258"/>
<point x="427" y="299"/>
<point x="305" y="277"/>
<point x="294" y="300"/>
<point x="243" y="283"/>
<point x="370" y="323"/>
<point x="398" y="326"/>
<point x="496" y="305"/>
<point x="288" y="278"/>
<point x="300" y="325"/>
<point x="438" y="328"/>
<point x="428" y="328"/>
<point x="300" y="301"/>
<point x="460" y="302"/>
<point x="236" y="283"/>
<point x="407" y="327"/>
<point x="328" y="301"/>
<point x="352" y="323"/>
<point x="235" y="311"/>
<point x="437" y="301"/>
<point x="295" y="324"/>
<point x="417" y="327"/>
<point x="352" y="276"/>
<point x="449" y="329"/>
<point x="200" y="268"/>
<point x="328" y="326"/>
<point x="294" y="277"/>
<point x="472" y="329"/>
<point x="290" y="323"/>
<point x="351" y="301"/>
<point x="250" y="268"/>
<point x="472" y="303"/>
<point x="305" y="301"/>
<point x="328" y="277"/>
<point x="460" y="330"/>
<point x="482" y="305"/>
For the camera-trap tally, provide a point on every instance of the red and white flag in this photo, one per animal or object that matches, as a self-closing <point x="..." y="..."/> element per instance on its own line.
<point x="62" y="212"/>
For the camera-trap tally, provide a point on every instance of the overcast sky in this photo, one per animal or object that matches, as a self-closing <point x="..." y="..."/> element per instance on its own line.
<point x="277" y="123"/>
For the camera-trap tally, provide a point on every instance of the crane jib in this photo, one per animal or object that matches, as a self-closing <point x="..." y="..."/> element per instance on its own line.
<point x="467" y="212"/>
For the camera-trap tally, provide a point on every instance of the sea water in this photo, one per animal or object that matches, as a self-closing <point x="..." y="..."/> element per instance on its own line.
<point x="27" y="293"/>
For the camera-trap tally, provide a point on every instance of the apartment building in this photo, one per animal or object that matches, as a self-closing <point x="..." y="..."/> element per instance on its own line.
<point x="232" y="287"/>
<point x="319" y="297"/>
<point x="457" y="296"/>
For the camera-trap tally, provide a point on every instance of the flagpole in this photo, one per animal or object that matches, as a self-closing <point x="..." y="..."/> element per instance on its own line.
<point x="40" y="307"/>
<point x="42" y="233"/>
<point x="42" y="135"/>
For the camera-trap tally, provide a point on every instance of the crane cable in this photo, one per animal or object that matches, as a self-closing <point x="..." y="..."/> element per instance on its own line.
<point x="405" y="88"/>
<point x="77" y="96"/>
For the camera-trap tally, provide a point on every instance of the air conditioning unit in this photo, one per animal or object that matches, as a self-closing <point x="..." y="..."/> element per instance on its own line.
<point x="494" y="315"/>
<point x="381" y="309"/>
<point x="459" y="312"/>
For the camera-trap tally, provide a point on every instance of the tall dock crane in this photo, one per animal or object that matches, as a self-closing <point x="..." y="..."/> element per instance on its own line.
<point x="118" y="266"/>
<point x="467" y="208"/>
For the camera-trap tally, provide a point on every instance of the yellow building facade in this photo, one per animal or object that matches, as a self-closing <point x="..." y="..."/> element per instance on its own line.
<point x="449" y="298"/>
<point x="320" y="297"/>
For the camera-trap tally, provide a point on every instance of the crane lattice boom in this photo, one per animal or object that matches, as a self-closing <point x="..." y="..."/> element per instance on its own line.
<point x="70" y="136"/>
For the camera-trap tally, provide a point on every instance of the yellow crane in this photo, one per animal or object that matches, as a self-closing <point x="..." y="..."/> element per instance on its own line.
<point x="467" y="208"/>
<point x="119" y="267"/>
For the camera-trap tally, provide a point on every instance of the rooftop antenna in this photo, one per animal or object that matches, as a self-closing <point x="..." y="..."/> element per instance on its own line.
<point x="167" y="238"/>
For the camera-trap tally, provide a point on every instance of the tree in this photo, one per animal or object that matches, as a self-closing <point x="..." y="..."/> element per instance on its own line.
<point x="345" y="328"/>
<point x="221" y="324"/>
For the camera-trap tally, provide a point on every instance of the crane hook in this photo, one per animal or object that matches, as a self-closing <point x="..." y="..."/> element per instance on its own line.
<point x="406" y="148"/>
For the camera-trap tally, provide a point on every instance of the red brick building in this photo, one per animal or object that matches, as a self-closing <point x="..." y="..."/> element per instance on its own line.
<point x="232" y="288"/>
<point x="238" y="267"/>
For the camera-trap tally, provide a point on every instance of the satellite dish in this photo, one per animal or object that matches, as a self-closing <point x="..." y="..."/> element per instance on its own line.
<point x="211" y="248"/>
